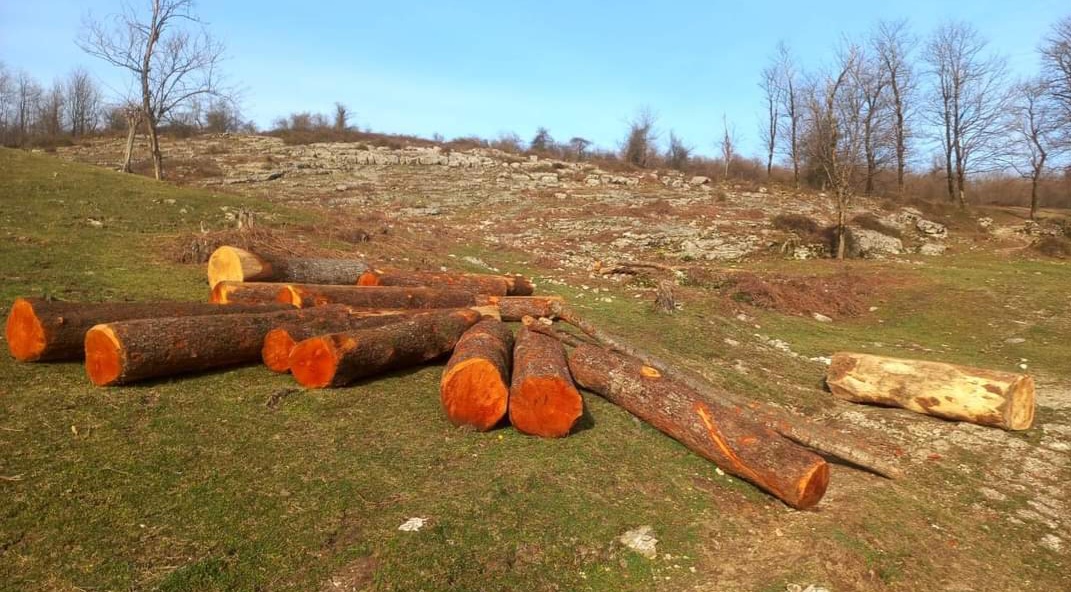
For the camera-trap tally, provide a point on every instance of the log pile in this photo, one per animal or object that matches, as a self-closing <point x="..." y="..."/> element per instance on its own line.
<point x="331" y="323"/>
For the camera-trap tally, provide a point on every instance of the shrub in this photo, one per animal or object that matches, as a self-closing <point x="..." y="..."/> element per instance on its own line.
<point x="1053" y="246"/>
<point x="802" y="225"/>
<point x="871" y="222"/>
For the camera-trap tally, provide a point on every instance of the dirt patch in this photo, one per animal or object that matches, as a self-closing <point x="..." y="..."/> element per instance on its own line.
<point x="838" y="295"/>
<point x="356" y="575"/>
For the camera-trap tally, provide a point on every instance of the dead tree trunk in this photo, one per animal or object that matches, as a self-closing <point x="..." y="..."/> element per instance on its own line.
<point x="985" y="397"/>
<point x="543" y="401"/>
<point x="280" y="342"/>
<point x="129" y="351"/>
<point x="721" y="433"/>
<point x="339" y="359"/>
<point x="47" y="331"/>
<point x="133" y="120"/>
<point x="474" y="388"/>
<point x="305" y="295"/>
<point x="492" y="285"/>
<point x="235" y="264"/>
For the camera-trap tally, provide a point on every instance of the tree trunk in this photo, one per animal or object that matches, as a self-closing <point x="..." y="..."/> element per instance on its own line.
<point x="493" y="285"/>
<point x="248" y="293"/>
<point x="131" y="134"/>
<point x="1034" y="195"/>
<point x="543" y="401"/>
<point x="339" y="359"/>
<point x="279" y="343"/>
<point x="305" y="295"/>
<point x="47" y="331"/>
<point x="985" y="397"/>
<point x="720" y="433"/>
<point x="235" y="264"/>
<point x="515" y="308"/>
<point x="474" y="389"/>
<point x="842" y="230"/>
<point x="154" y="144"/>
<point x="129" y="351"/>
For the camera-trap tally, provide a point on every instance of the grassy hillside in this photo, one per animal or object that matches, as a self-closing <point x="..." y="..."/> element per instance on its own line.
<point x="198" y="483"/>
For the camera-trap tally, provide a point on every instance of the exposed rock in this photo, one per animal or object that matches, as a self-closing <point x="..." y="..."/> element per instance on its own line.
<point x="698" y="180"/>
<point x="932" y="249"/>
<point x="821" y="318"/>
<point x="985" y="223"/>
<point x="932" y="229"/>
<point x="870" y="244"/>
<point x="641" y="541"/>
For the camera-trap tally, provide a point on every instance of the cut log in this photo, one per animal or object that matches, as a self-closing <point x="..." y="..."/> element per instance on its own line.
<point x="494" y="285"/>
<point x="239" y="265"/>
<point x="474" y="389"/>
<point x="306" y="295"/>
<point x="228" y="292"/>
<point x="47" y="331"/>
<point x="961" y="393"/>
<point x="515" y="308"/>
<point x="280" y="342"/>
<point x="543" y="400"/>
<point x="721" y="433"/>
<point x="129" y="351"/>
<point x="341" y="358"/>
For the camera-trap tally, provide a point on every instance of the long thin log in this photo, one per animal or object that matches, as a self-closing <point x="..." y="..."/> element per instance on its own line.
<point x="306" y="295"/>
<point x="800" y="430"/>
<point x="129" y="351"/>
<point x="543" y="400"/>
<point x="280" y="342"/>
<point x="41" y="330"/>
<point x="228" y="292"/>
<point x="724" y="434"/>
<point x="959" y="393"/>
<point x="474" y="388"/>
<point x="341" y="358"/>
<point x="235" y="264"/>
<point x="515" y="308"/>
<point x="495" y="285"/>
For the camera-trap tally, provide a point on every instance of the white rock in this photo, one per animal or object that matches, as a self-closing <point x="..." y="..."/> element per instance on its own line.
<point x="821" y="318"/>
<point x="1052" y="542"/>
<point x="412" y="525"/>
<point x="932" y="249"/>
<point x="871" y="244"/>
<point x="933" y="229"/>
<point x="641" y="541"/>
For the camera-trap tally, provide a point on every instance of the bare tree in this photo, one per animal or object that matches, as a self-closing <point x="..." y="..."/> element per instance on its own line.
<point x="968" y="103"/>
<point x="1056" y="64"/>
<point x="223" y="115"/>
<point x="26" y="106"/>
<point x="83" y="102"/>
<point x="7" y="101"/>
<point x="342" y="117"/>
<point x="872" y="82"/>
<point x="893" y="44"/>
<point x="639" y="144"/>
<point x="792" y="109"/>
<point x="50" y="115"/>
<point x="728" y="145"/>
<point x="542" y="141"/>
<point x="578" y="145"/>
<point x="677" y="152"/>
<point x="834" y="134"/>
<point x="1035" y="127"/>
<point x="772" y="92"/>
<point x="168" y="52"/>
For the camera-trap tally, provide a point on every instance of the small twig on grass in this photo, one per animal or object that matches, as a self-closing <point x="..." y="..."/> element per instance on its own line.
<point x="11" y="478"/>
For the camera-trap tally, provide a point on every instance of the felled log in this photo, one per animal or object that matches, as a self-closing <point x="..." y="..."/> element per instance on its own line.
<point x="129" y="351"/>
<point x="515" y="308"/>
<point x="239" y="265"/>
<point x="46" y="331"/>
<point x="495" y="285"/>
<point x="474" y="389"/>
<point x="280" y="342"/>
<point x="341" y="358"/>
<point x="306" y="295"/>
<point x="961" y="393"/>
<point x="724" y="434"/>
<point x="543" y="401"/>
<point x="228" y="292"/>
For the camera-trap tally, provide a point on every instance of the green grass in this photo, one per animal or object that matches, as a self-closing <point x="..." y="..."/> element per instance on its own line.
<point x="194" y="483"/>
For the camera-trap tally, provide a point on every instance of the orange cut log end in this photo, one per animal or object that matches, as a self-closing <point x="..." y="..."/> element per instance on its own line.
<point x="314" y="362"/>
<point x="473" y="393"/>
<point x="813" y="486"/>
<point x="368" y="278"/>
<point x="277" y="347"/>
<point x="547" y="407"/>
<point x="104" y="356"/>
<point x="24" y="333"/>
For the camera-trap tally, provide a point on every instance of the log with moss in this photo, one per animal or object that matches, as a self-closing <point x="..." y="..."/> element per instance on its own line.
<point x="41" y="330"/>
<point x="474" y="389"/>
<point x="722" y="433"/>
<point x="235" y="264"/>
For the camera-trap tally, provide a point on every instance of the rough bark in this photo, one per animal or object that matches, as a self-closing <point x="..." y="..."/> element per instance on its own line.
<point x="492" y="285"/>
<point x="129" y="351"/>
<point x="228" y="292"/>
<point x="235" y="264"/>
<point x="45" y="331"/>
<point x="474" y="388"/>
<point x="341" y="358"/>
<point x="515" y="308"/>
<point x="724" y="434"/>
<point x="305" y="295"/>
<point x="280" y="342"/>
<point x="543" y="401"/>
<point x="985" y="397"/>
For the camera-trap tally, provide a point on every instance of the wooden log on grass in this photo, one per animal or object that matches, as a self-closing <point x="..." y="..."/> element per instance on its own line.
<point x="280" y="342"/>
<point x="228" y="292"/>
<point x="961" y="393"/>
<point x="495" y="285"/>
<point x="129" y="351"/>
<point x="306" y="295"/>
<point x="339" y="359"/>
<point x="543" y="401"/>
<point x="724" y="434"/>
<point x="235" y="264"/>
<point x="41" y="330"/>
<point x="474" y="389"/>
<point x="515" y="308"/>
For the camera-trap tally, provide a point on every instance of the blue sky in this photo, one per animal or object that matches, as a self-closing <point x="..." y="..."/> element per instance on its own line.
<point x="578" y="68"/>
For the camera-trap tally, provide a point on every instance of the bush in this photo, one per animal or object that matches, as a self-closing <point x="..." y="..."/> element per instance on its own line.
<point x="802" y="225"/>
<point x="1053" y="246"/>
<point x="871" y="222"/>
